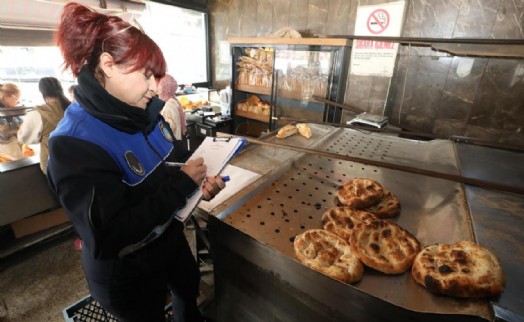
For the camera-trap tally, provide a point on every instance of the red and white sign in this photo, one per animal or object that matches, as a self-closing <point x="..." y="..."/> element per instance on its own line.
<point x="376" y="58"/>
<point x="378" y="21"/>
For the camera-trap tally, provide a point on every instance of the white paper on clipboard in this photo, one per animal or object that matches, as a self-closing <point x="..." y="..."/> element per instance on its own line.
<point x="239" y="179"/>
<point x="216" y="153"/>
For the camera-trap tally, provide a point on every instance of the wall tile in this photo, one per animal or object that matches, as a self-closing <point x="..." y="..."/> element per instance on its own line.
<point x="298" y="14"/>
<point x="509" y="23"/>
<point x="317" y="16"/>
<point x="235" y="26"/>
<point x="425" y="92"/>
<point x="444" y="128"/>
<point x="338" y="16"/>
<point x="476" y="19"/>
<point x="264" y="17"/>
<point x="352" y="14"/>
<point x="500" y="101"/>
<point x="438" y="18"/>
<point x="248" y="18"/>
<point x="281" y="14"/>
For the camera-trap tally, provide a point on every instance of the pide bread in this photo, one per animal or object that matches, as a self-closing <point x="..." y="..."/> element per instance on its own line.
<point x="388" y="206"/>
<point x="329" y="254"/>
<point x="341" y="220"/>
<point x="360" y="193"/>
<point x="304" y="130"/>
<point x="384" y="246"/>
<point x="463" y="269"/>
<point x="286" y="131"/>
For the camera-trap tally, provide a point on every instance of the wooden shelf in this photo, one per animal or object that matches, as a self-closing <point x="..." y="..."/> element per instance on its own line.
<point x="253" y="116"/>
<point x="290" y="41"/>
<point x="254" y="89"/>
<point x="296" y="95"/>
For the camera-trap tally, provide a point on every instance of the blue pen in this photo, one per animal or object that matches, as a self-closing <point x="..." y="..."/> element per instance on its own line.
<point x="225" y="178"/>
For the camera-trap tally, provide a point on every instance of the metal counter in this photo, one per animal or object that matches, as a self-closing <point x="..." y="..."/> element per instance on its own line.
<point x="254" y="231"/>
<point x="24" y="190"/>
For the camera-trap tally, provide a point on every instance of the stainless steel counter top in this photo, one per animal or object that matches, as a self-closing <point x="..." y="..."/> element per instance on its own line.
<point x="296" y="189"/>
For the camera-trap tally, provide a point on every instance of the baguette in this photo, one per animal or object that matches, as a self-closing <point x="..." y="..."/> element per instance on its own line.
<point x="304" y="130"/>
<point x="286" y="131"/>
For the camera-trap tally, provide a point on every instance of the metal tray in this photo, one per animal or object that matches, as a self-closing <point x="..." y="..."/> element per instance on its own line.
<point x="292" y="198"/>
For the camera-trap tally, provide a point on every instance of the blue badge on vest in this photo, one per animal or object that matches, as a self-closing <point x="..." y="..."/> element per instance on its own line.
<point x="135" y="164"/>
<point x="165" y="132"/>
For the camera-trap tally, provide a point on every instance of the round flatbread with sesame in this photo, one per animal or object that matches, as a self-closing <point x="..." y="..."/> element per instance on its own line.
<point x="463" y="269"/>
<point x="341" y="220"/>
<point x="387" y="207"/>
<point x="384" y="246"/>
<point x="360" y="193"/>
<point x="329" y="254"/>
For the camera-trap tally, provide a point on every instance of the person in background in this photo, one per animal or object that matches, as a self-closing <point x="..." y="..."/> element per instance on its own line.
<point x="173" y="111"/>
<point x="40" y="122"/>
<point x="9" y="145"/>
<point x="71" y="91"/>
<point x="107" y="165"/>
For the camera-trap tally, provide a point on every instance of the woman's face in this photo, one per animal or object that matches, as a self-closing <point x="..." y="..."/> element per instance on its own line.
<point x="11" y="100"/>
<point x="134" y="88"/>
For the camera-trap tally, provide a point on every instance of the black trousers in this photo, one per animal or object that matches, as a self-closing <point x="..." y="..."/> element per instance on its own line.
<point x="134" y="288"/>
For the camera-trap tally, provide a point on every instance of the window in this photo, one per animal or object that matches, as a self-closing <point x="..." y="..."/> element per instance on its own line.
<point x="25" y="66"/>
<point x="180" y="33"/>
<point x="182" y="36"/>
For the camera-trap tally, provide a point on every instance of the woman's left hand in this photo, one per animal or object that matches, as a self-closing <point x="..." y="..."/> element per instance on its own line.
<point x="212" y="186"/>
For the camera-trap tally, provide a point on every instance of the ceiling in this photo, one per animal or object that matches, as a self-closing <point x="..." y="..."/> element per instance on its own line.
<point x="45" y="14"/>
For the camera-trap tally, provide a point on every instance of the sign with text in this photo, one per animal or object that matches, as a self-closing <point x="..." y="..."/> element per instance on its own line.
<point x="376" y="58"/>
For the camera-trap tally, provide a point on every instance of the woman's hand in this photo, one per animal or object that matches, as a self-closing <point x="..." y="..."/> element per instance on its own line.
<point x="196" y="170"/>
<point x="212" y="186"/>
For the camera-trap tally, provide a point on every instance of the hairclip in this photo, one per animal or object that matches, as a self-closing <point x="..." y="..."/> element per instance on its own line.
<point x="215" y="139"/>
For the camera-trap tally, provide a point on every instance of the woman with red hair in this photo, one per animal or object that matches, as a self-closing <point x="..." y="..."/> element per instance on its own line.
<point x="107" y="165"/>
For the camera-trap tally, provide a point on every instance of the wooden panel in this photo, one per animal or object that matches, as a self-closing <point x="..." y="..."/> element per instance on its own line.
<point x="290" y="41"/>
<point x="253" y="116"/>
<point x="24" y="191"/>
<point x="39" y="222"/>
<point x="254" y="89"/>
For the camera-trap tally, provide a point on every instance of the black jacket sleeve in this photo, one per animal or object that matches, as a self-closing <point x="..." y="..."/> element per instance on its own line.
<point x="108" y="214"/>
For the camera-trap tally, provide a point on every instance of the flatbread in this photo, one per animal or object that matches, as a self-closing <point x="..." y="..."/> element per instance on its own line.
<point x="384" y="246"/>
<point x="463" y="269"/>
<point x="360" y="193"/>
<point x="329" y="254"/>
<point x="388" y="206"/>
<point x="341" y="220"/>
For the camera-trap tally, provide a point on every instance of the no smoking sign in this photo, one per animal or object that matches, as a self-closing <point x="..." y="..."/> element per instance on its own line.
<point x="378" y="21"/>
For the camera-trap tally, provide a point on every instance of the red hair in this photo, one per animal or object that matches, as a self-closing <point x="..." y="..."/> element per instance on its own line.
<point x="84" y="34"/>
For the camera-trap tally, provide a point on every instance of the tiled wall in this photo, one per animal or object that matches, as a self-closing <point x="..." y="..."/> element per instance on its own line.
<point x="425" y="92"/>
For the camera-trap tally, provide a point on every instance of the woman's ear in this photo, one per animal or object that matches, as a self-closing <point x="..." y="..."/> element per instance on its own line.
<point x="107" y="64"/>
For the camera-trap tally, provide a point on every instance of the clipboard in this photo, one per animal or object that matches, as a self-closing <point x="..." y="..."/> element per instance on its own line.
<point x="217" y="152"/>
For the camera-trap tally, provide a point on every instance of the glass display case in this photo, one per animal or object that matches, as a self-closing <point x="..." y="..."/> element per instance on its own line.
<point x="276" y="80"/>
